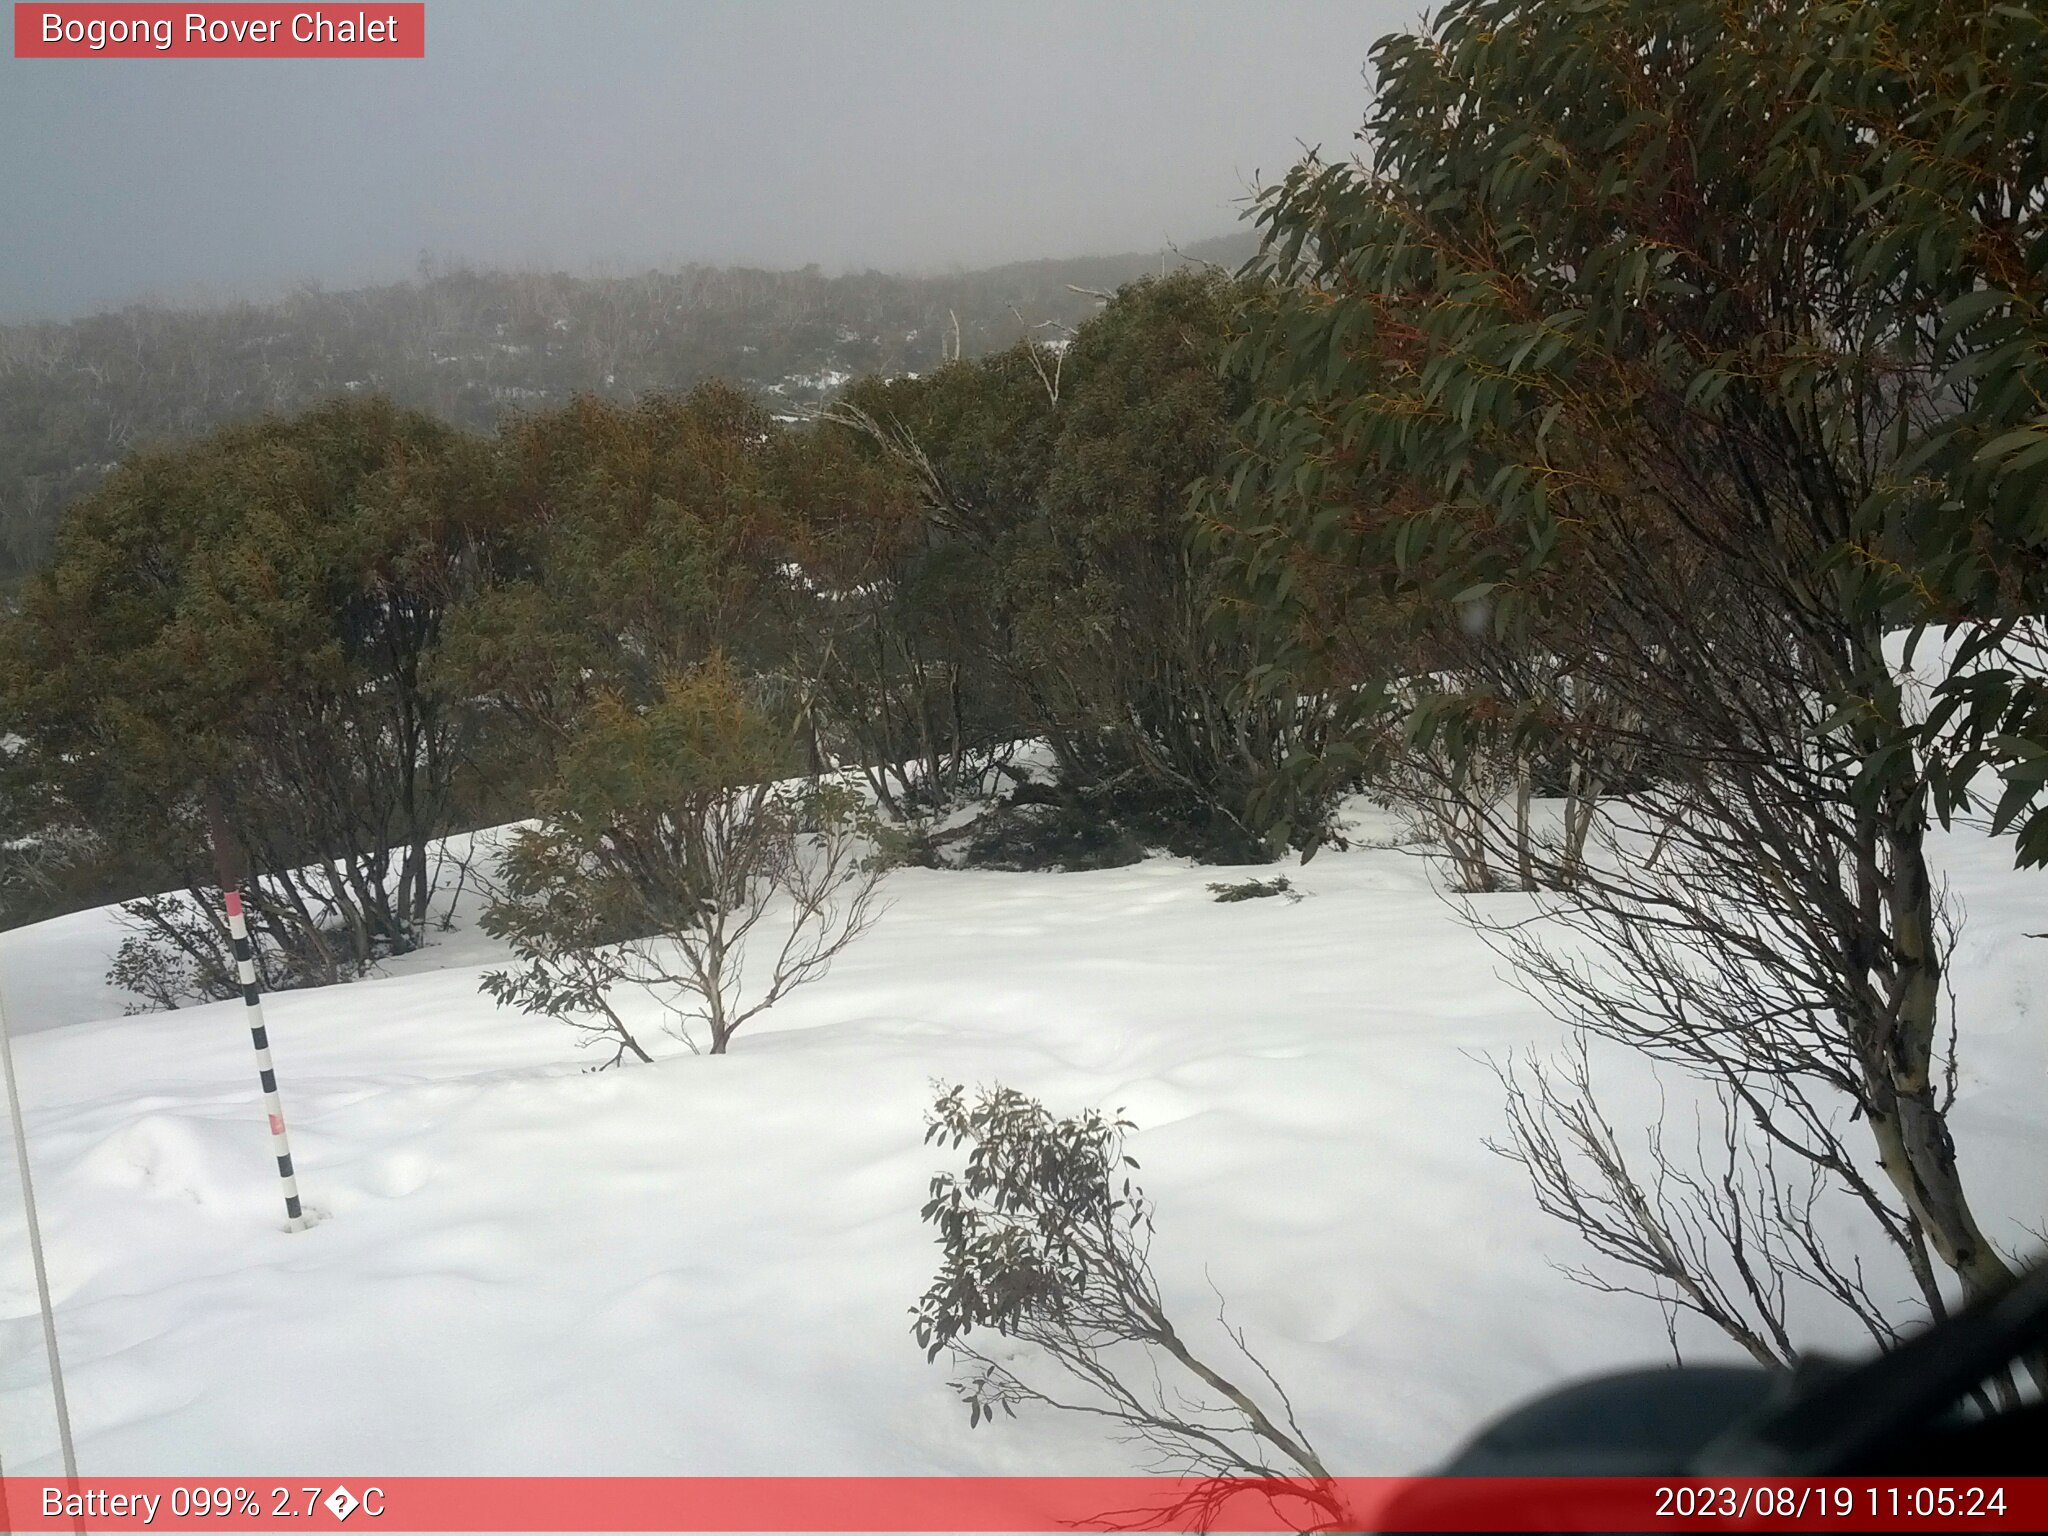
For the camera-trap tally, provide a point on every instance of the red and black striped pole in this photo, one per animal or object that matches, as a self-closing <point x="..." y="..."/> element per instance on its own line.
<point x="252" y="999"/>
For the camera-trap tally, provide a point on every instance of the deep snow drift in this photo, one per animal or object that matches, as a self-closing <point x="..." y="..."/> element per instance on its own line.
<point x="707" y="1265"/>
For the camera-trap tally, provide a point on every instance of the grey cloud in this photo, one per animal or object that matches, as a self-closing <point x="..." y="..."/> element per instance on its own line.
<point x="605" y="136"/>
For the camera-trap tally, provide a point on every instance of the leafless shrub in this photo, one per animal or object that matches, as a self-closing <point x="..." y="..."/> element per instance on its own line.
<point x="1716" y="1228"/>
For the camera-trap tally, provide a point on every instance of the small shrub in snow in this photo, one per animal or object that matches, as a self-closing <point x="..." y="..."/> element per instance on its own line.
<point x="669" y="859"/>
<point x="1045" y="1241"/>
<point x="160" y="976"/>
<point x="178" y="952"/>
<point x="916" y="844"/>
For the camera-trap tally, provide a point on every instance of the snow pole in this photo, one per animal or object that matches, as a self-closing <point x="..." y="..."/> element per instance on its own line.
<point x="252" y="1001"/>
<point x="266" y="1072"/>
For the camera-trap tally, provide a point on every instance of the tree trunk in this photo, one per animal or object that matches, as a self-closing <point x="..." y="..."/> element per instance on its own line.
<point x="1916" y="1150"/>
<point x="1525" y="855"/>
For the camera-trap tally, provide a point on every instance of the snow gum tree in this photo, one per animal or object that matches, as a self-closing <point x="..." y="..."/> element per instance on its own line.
<point x="895" y="618"/>
<point x="1643" y="339"/>
<point x="1117" y="614"/>
<point x="647" y="541"/>
<point x="1061" y="476"/>
<point x="251" y="624"/>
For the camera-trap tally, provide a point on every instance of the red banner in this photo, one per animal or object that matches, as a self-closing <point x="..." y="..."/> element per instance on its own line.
<point x="1023" y="1504"/>
<point x="103" y="31"/>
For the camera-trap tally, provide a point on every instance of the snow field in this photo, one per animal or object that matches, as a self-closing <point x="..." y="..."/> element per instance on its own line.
<point x="707" y="1265"/>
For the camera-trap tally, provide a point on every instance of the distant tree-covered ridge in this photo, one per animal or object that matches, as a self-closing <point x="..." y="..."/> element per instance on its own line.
<point x="465" y="344"/>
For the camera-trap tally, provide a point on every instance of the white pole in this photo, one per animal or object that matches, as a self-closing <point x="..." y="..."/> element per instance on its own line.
<point x="35" y="1248"/>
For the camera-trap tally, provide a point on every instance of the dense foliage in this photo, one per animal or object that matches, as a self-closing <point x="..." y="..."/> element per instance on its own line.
<point x="235" y="650"/>
<point x="1053" y="486"/>
<point x="339" y="637"/>
<point x="78" y="397"/>
<point x="1659" y="366"/>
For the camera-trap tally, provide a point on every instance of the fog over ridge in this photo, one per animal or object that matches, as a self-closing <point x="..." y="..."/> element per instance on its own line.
<point x="614" y="136"/>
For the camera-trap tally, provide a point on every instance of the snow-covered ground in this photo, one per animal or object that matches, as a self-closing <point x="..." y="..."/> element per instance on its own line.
<point x="707" y="1265"/>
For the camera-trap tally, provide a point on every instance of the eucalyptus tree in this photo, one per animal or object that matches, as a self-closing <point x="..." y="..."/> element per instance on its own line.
<point x="1673" y="344"/>
<point x="234" y="646"/>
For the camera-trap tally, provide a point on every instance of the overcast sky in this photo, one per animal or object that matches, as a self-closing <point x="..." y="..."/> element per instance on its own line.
<point x="605" y="135"/>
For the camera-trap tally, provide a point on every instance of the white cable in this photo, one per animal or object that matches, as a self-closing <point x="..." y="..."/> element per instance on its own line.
<point x="35" y="1248"/>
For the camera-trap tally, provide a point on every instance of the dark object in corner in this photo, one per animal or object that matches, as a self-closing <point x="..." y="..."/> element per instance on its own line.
<point x="1905" y="1413"/>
